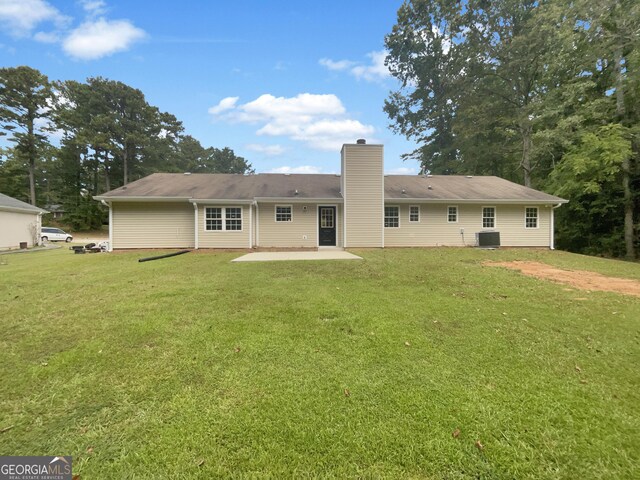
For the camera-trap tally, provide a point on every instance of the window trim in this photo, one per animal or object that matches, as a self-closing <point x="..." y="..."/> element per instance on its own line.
<point x="457" y="213"/>
<point x="495" y="217"/>
<point x="275" y="213"/>
<point x="384" y="220"/>
<point x="537" y="209"/>
<point x="419" y="214"/>
<point x="223" y="219"/>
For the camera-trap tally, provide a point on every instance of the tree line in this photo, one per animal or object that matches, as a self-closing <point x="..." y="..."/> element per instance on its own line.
<point x="69" y="140"/>
<point x="541" y="92"/>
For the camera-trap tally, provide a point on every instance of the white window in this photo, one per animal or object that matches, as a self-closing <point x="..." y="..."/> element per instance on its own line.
<point x="391" y="217"/>
<point x="531" y="217"/>
<point x="414" y="213"/>
<point x="284" y="213"/>
<point x="213" y="218"/>
<point x="222" y="219"/>
<point x="233" y="218"/>
<point x="488" y="217"/>
<point x="452" y="214"/>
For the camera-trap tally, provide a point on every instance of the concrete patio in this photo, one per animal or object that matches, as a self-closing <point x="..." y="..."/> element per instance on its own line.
<point x="332" y="254"/>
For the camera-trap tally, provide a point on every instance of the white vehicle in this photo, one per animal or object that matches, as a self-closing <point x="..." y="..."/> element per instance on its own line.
<point x="50" y="234"/>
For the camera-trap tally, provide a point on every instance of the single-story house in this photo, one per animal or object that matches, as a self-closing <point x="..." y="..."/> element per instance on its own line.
<point x="19" y="222"/>
<point x="56" y="210"/>
<point x="360" y="207"/>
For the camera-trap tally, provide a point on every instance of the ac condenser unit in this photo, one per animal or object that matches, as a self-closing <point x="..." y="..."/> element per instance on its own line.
<point x="488" y="239"/>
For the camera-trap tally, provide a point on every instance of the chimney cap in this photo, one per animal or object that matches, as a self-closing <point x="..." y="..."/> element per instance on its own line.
<point x="361" y="141"/>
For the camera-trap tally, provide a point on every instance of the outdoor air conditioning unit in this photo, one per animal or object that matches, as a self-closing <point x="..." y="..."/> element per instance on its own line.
<point x="488" y="239"/>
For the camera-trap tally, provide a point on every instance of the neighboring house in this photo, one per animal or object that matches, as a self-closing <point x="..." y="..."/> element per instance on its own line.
<point x="19" y="223"/>
<point x="56" y="210"/>
<point x="361" y="207"/>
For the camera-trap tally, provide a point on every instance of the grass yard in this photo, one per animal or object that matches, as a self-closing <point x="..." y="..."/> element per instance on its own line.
<point x="196" y="367"/>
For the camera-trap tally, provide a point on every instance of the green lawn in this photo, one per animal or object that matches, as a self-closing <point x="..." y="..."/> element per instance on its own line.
<point x="196" y="367"/>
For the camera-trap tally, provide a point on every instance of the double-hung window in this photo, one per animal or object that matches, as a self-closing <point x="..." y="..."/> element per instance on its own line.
<point x="452" y="214"/>
<point x="531" y="217"/>
<point x="488" y="217"/>
<point x="284" y="213"/>
<point x="414" y="213"/>
<point x="233" y="218"/>
<point x="391" y="217"/>
<point x="221" y="219"/>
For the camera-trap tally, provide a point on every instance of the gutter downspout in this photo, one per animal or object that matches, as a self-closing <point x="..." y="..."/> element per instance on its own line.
<point x="108" y="204"/>
<point x="196" y="240"/>
<point x="257" y="224"/>
<point x="552" y="228"/>
<point x="250" y="225"/>
<point x="39" y="229"/>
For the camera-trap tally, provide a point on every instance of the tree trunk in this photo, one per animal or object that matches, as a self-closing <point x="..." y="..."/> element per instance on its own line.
<point x="32" y="158"/>
<point x="525" y="162"/>
<point x="107" y="172"/>
<point x="626" y="163"/>
<point x="125" y="165"/>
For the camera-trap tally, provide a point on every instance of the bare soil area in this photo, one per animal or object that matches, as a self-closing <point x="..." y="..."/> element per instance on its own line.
<point x="581" y="279"/>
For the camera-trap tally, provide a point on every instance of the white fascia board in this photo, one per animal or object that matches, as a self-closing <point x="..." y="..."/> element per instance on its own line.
<point x="39" y="211"/>
<point x="141" y="199"/>
<point x="297" y="200"/>
<point x="221" y="201"/>
<point x="455" y="201"/>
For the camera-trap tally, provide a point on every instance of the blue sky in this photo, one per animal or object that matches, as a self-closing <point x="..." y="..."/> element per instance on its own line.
<point x="282" y="83"/>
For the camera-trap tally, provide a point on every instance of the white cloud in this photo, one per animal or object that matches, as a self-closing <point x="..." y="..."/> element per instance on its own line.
<point x="300" y="169"/>
<point x="374" y="71"/>
<point x="100" y="38"/>
<point x="224" y="105"/>
<point x="47" y="37"/>
<point x="94" y="7"/>
<point x="331" y="134"/>
<point x="336" y="66"/>
<point x="320" y="121"/>
<point x="268" y="150"/>
<point x="20" y="17"/>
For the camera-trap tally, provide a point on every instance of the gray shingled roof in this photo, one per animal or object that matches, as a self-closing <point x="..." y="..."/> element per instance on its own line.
<point x="233" y="187"/>
<point x="461" y="188"/>
<point x="397" y="187"/>
<point x="13" y="204"/>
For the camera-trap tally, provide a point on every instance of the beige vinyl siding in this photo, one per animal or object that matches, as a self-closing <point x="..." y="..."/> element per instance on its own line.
<point x="291" y="234"/>
<point x="16" y="227"/>
<point x="434" y="229"/>
<point x="153" y="225"/>
<point x="510" y="223"/>
<point x="362" y="187"/>
<point x="221" y="238"/>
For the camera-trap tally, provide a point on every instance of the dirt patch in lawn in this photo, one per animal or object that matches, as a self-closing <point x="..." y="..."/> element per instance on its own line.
<point x="581" y="279"/>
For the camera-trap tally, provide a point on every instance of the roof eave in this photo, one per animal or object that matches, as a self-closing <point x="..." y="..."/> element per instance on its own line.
<point x="298" y="199"/>
<point x="34" y="211"/>
<point x="226" y="201"/>
<point x="502" y="201"/>
<point x="122" y="198"/>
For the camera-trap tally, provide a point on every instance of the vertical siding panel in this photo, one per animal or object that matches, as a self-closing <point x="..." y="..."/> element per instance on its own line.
<point x="363" y="184"/>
